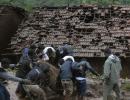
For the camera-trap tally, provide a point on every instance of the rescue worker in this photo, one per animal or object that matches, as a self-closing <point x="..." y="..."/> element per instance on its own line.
<point x="61" y="61"/>
<point x="111" y="75"/>
<point x="24" y="66"/>
<point x="65" y="50"/>
<point x="79" y="74"/>
<point x="38" y="75"/>
<point x="66" y="79"/>
<point x="32" y="54"/>
<point x="4" y="94"/>
<point x="39" y="50"/>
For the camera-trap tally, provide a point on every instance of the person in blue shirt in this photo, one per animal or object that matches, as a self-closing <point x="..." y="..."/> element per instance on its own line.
<point x="66" y="79"/>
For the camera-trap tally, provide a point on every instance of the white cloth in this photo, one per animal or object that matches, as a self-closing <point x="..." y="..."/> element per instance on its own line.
<point x="46" y="49"/>
<point x="68" y="57"/>
<point x="80" y="78"/>
<point x="45" y="56"/>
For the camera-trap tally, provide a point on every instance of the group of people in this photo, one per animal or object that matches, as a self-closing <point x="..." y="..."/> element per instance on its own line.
<point x="72" y="74"/>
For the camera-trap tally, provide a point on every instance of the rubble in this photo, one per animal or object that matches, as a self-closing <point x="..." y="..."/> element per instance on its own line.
<point x="88" y="28"/>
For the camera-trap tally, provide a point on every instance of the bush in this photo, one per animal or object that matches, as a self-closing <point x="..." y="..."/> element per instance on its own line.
<point x="29" y="4"/>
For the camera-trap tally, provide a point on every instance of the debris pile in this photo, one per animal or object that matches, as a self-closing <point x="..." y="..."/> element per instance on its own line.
<point x="90" y="29"/>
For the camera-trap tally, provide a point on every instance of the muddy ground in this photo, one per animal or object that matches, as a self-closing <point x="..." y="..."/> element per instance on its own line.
<point x="94" y="89"/>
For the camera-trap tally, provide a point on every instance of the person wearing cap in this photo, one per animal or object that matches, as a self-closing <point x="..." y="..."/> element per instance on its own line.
<point x="111" y="75"/>
<point x="79" y="73"/>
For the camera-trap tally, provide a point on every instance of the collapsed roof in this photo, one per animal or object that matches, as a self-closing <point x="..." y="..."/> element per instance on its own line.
<point x="89" y="29"/>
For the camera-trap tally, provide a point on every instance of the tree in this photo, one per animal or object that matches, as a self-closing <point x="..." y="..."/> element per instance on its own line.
<point x="29" y="4"/>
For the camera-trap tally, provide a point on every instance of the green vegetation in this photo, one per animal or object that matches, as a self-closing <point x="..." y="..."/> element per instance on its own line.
<point x="28" y="4"/>
<point x="25" y="4"/>
<point x="126" y="86"/>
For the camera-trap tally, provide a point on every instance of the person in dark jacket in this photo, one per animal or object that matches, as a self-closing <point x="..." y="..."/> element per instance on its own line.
<point x="33" y="54"/>
<point x="79" y="73"/>
<point x="4" y="94"/>
<point x="25" y="65"/>
<point x="39" y="51"/>
<point x="66" y="79"/>
<point x="61" y="61"/>
<point x="38" y="75"/>
<point x="65" y="50"/>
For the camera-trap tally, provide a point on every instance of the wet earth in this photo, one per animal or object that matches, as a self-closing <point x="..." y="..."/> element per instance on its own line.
<point x="94" y="86"/>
